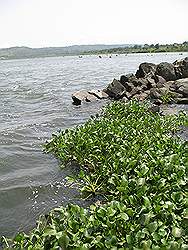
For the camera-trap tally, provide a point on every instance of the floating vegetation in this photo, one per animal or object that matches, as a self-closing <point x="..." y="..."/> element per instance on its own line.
<point x="130" y="158"/>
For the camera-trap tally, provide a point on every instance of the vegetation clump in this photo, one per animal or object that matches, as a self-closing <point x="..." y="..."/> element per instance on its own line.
<point x="146" y="48"/>
<point x="130" y="158"/>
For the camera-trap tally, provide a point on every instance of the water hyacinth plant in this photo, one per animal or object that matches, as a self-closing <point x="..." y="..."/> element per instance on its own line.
<point x="131" y="159"/>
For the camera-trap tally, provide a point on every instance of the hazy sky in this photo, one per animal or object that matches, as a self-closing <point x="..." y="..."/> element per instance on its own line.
<point x="41" y="23"/>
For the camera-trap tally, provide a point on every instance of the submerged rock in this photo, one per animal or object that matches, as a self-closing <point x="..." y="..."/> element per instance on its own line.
<point x="88" y="96"/>
<point x="100" y="94"/>
<point x="82" y="95"/>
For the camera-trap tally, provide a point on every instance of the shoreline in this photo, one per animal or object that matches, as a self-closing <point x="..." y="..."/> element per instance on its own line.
<point x="91" y="54"/>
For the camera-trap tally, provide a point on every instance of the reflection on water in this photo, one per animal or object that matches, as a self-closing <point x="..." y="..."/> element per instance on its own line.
<point x="35" y="101"/>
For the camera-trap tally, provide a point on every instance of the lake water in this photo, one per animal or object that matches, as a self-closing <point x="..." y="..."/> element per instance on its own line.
<point x="35" y="101"/>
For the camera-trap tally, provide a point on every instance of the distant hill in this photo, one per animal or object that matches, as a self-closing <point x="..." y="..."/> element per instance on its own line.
<point x="26" y="52"/>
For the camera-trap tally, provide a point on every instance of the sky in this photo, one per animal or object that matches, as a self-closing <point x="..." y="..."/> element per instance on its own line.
<point x="45" y="23"/>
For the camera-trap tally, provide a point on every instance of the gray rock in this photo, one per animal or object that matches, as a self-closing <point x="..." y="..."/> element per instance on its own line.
<point x="82" y="95"/>
<point x="129" y="81"/>
<point x="115" y="89"/>
<point x="154" y="108"/>
<point x="126" y="78"/>
<point x="125" y="99"/>
<point x="167" y="71"/>
<point x="157" y="93"/>
<point x="150" y="83"/>
<point x="142" y="96"/>
<point x="181" y="68"/>
<point x="157" y="102"/>
<point x="159" y="80"/>
<point x="181" y="100"/>
<point x="90" y="98"/>
<point x="134" y="91"/>
<point x="99" y="94"/>
<point x="180" y="86"/>
<point x="128" y="86"/>
<point x="145" y="69"/>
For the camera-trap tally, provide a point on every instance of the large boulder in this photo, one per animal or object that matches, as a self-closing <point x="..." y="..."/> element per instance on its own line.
<point x="181" y="68"/>
<point x="115" y="89"/>
<point x="167" y="71"/>
<point x="180" y="86"/>
<point x="145" y="69"/>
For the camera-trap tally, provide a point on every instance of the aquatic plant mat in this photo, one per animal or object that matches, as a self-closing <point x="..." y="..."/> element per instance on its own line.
<point x="132" y="161"/>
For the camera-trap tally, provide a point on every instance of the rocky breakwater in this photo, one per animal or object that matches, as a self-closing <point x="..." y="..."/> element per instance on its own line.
<point x="162" y="83"/>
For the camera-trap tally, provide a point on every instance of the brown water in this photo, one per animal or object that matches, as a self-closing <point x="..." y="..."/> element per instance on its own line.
<point x="35" y="101"/>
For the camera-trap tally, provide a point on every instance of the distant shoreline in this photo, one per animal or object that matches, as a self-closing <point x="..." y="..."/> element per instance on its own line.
<point x="81" y="50"/>
<point x="102" y="54"/>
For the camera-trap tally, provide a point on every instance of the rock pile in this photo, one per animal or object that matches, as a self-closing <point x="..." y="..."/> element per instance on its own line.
<point x="162" y="83"/>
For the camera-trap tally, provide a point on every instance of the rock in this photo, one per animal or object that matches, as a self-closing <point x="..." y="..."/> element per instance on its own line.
<point x="128" y="81"/>
<point x="90" y="98"/>
<point x="125" y="99"/>
<point x="139" y="82"/>
<point x="157" y="93"/>
<point x="144" y="88"/>
<point x="150" y="83"/>
<point x="145" y="69"/>
<point x="115" y="89"/>
<point x="126" y="78"/>
<point x="181" y="68"/>
<point x="159" y="80"/>
<point x="98" y="93"/>
<point x="141" y="97"/>
<point x="180" y="86"/>
<point x="142" y="82"/>
<point x="181" y="100"/>
<point x="133" y="92"/>
<point x="157" y="102"/>
<point x="167" y="71"/>
<point x="82" y="95"/>
<point x="126" y="84"/>
<point x="154" y="109"/>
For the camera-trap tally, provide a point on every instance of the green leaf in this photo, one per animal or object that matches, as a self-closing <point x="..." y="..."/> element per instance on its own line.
<point x="124" y="216"/>
<point x="176" y="232"/>
<point x="152" y="226"/>
<point x="49" y="231"/>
